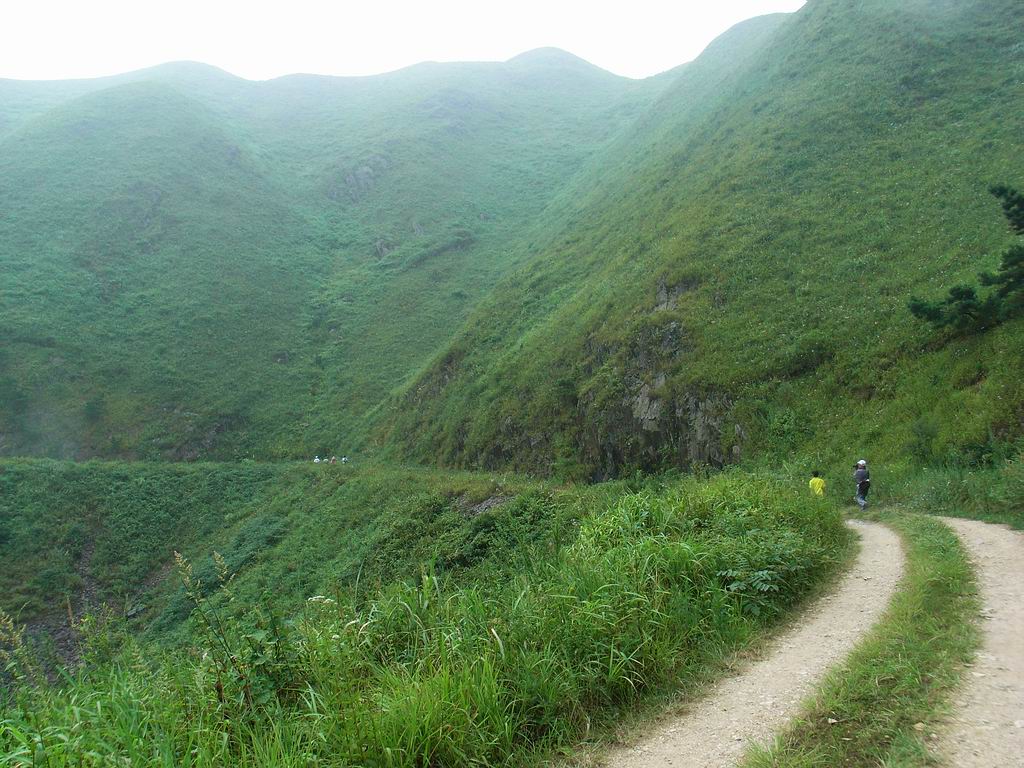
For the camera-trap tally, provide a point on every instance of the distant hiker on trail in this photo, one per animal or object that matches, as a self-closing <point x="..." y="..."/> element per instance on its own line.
<point x="817" y="483"/>
<point x="862" y="478"/>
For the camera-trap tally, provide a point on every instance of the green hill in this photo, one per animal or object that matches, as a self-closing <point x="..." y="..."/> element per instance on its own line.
<point x="532" y="264"/>
<point x="731" y="278"/>
<point x="140" y="245"/>
<point x="201" y="266"/>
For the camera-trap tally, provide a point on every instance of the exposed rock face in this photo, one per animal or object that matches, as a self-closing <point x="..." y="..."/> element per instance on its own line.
<point x="432" y="386"/>
<point x="705" y="419"/>
<point x="667" y="296"/>
<point x="741" y="438"/>
<point x="655" y="429"/>
<point x="622" y="411"/>
<point x="472" y="510"/>
<point x="360" y="181"/>
<point x="653" y="424"/>
<point x="355" y="182"/>
<point x="647" y="406"/>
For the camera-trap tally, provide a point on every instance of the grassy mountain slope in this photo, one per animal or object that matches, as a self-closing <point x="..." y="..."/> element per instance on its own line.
<point x="203" y="266"/>
<point x="734" y="279"/>
<point x="140" y="244"/>
<point x="77" y="536"/>
<point x="22" y="101"/>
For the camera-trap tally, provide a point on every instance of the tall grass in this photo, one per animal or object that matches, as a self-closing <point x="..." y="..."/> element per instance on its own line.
<point x="992" y="493"/>
<point x="111" y="529"/>
<point x="432" y="673"/>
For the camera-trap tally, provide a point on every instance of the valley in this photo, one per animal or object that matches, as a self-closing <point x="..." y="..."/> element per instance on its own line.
<point x="582" y="340"/>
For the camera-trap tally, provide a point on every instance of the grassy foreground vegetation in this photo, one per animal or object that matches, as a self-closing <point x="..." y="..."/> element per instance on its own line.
<point x="106" y="532"/>
<point x="882" y="704"/>
<point x="435" y="672"/>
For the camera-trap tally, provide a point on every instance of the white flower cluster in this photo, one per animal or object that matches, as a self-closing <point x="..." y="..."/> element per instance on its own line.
<point x="320" y="599"/>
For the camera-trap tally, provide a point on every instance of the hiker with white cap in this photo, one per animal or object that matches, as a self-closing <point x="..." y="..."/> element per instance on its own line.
<point x="862" y="478"/>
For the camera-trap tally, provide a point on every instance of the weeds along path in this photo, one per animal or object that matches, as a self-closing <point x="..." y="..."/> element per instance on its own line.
<point x="752" y="705"/>
<point x="988" y="727"/>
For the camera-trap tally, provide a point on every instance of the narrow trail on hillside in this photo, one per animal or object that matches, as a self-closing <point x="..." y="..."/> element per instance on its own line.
<point x="754" y="704"/>
<point x="987" y="728"/>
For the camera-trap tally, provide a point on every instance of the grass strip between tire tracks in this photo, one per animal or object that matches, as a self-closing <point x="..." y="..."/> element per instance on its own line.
<point x="883" y="706"/>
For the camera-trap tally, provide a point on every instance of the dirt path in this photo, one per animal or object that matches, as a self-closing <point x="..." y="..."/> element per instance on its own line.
<point x="988" y="728"/>
<point x="755" y="703"/>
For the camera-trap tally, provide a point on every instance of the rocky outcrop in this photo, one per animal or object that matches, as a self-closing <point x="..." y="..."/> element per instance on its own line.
<point x="647" y="407"/>
<point x="355" y="182"/>
<point x="653" y="422"/>
<point x="470" y="509"/>
<point x="623" y="408"/>
<point x="655" y="428"/>
<point x="704" y="418"/>
<point x="667" y="295"/>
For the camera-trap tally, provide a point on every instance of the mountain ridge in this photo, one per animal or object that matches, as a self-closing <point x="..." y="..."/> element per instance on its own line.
<point x="615" y="253"/>
<point x="649" y="333"/>
<point x="360" y="194"/>
<point x="546" y="55"/>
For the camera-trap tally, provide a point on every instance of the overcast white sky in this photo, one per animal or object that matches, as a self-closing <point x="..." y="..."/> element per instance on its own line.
<point x="50" y="39"/>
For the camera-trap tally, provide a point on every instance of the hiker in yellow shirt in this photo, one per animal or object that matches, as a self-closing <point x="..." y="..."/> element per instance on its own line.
<point x="817" y="483"/>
